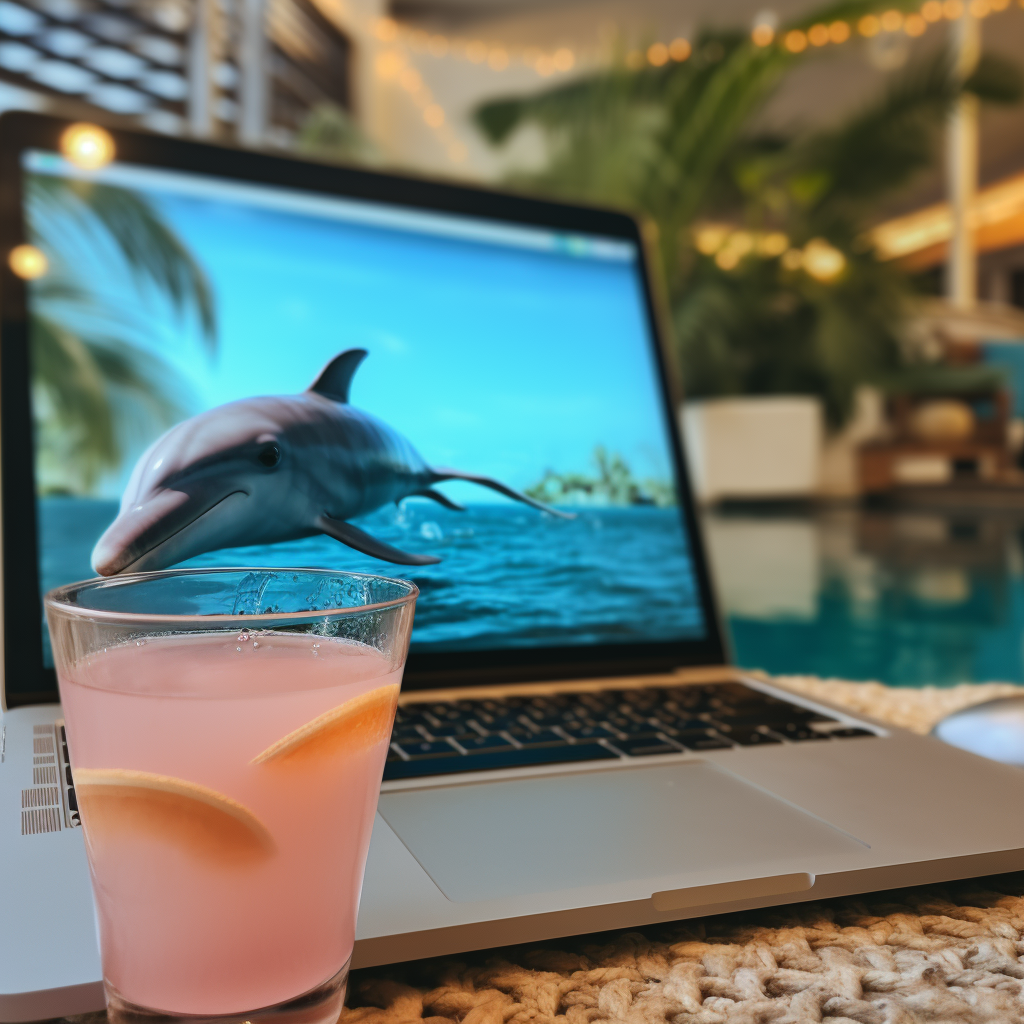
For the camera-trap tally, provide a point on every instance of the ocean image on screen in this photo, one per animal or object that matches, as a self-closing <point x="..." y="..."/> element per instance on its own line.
<point x="518" y="359"/>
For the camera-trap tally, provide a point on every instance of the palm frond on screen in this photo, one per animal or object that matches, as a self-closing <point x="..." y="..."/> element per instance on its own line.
<point x="102" y="319"/>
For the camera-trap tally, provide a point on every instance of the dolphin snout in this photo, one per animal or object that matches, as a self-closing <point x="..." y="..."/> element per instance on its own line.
<point x="154" y="532"/>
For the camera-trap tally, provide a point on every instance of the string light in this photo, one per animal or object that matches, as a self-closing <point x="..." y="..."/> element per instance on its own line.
<point x="563" y="59"/>
<point x="87" y="146"/>
<point x="763" y="33"/>
<point x="679" y="49"/>
<point x="657" y="54"/>
<point x="476" y="51"/>
<point x="28" y="262"/>
<point x="822" y="261"/>
<point x="795" y="41"/>
<point x="392" y="63"/>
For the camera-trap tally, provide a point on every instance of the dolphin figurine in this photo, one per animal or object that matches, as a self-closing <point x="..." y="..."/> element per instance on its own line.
<point x="262" y="470"/>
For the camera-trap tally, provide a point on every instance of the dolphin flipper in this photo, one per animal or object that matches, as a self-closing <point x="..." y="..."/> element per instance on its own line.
<point x="353" y="537"/>
<point x="336" y="377"/>
<point x="496" y="485"/>
<point x="441" y="499"/>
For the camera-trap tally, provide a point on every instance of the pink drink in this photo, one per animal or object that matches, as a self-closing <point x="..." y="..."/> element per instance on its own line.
<point x="187" y="932"/>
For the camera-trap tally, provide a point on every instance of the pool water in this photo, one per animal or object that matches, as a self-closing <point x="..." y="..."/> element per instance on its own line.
<point x="905" y="597"/>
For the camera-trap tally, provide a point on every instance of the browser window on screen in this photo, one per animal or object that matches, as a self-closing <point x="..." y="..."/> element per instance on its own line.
<point x="516" y="353"/>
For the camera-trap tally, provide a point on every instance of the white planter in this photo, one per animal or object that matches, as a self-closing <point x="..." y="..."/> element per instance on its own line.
<point x="764" y="447"/>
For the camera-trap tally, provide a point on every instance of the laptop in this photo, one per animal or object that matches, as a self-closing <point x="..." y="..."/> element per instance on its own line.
<point x="573" y="750"/>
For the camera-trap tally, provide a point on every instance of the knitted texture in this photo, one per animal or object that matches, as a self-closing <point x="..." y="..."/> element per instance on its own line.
<point x="933" y="954"/>
<point x="917" y="709"/>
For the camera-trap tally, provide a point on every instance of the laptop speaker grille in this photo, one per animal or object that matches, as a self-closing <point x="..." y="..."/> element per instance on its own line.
<point x="47" y="797"/>
<point x="49" y="805"/>
<point x="40" y="819"/>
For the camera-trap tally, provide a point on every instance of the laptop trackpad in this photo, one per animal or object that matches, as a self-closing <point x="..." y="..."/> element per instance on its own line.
<point x="486" y="840"/>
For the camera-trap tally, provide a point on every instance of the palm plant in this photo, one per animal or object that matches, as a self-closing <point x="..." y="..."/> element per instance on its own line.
<point x="753" y="311"/>
<point x="98" y="376"/>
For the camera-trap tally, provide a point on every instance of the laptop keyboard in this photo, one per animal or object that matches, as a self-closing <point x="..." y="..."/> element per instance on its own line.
<point x="509" y="732"/>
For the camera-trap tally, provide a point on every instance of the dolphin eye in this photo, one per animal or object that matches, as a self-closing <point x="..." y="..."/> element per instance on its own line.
<point x="270" y="455"/>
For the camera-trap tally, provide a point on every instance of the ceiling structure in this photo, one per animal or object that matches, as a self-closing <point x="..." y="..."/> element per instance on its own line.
<point x="828" y="85"/>
<point x="133" y="59"/>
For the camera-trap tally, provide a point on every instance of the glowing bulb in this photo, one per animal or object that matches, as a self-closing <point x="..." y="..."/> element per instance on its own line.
<point x="773" y="244"/>
<point x="727" y="259"/>
<point x="869" y="26"/>
<point x="953" y="9"/>
<point x="679" y="49"/>
<point x="387" y="30"/>
<point x="710" y="239"/>
<point x="87" y="146"/>
<point x="839" y="31"/>
<point x="931" y="10"/>
<point x="388" y="64"/>
<point x="657" y="54"/>
<point x="563" y="58"/>
<point x="892" y="21"/>
<point x="915" y="25"/>
<point x="818" y="35"/>
<point x="822" y="261"/>
<point x="795" y="41"/>
<point x="762" y="35"/>
<point x="980" y="8"/>
<point x="28" y="262"/>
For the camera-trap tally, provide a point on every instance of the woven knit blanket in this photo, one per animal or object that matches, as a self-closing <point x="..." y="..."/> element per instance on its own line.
<point x="933" y="954"/>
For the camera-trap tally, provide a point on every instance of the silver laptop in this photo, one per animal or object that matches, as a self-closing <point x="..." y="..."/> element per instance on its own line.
<point x="573" y="751"/>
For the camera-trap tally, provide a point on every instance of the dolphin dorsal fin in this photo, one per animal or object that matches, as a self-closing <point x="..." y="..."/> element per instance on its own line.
<point x="336" y="377"/>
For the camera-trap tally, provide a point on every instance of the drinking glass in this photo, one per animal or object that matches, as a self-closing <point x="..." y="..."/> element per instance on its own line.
<point x="227" y="731"/>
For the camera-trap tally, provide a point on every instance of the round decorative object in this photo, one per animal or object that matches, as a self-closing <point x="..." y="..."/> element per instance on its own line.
<point x="942" y="419"/>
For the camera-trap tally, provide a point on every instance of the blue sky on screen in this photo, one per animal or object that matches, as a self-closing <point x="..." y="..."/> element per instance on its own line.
<point x="491" y="358"/>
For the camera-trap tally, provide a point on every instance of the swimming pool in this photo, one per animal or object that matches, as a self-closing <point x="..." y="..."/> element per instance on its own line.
<point x="906" y="597"/>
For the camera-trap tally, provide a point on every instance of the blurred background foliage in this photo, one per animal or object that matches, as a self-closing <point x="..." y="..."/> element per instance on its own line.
<point x="773" y="282"/>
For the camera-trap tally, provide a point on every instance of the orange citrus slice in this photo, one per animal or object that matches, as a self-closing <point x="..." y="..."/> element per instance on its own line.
<point x="359" y="723"/>
<point x="117" y="802"/>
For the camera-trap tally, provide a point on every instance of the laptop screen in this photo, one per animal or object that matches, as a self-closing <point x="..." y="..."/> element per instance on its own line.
<point x="511" y="352"/>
